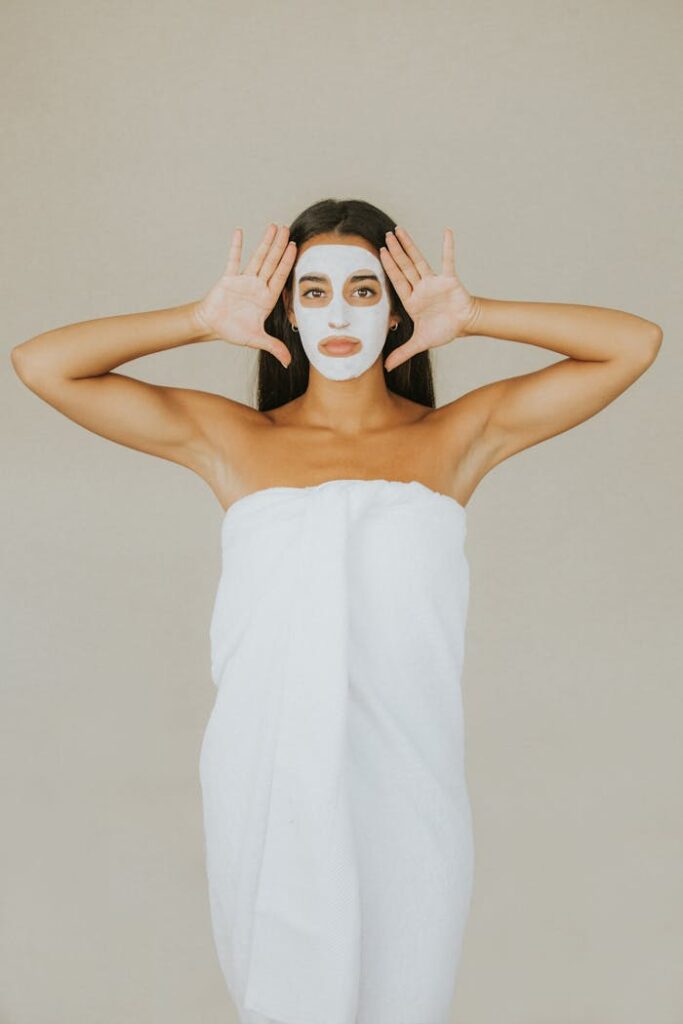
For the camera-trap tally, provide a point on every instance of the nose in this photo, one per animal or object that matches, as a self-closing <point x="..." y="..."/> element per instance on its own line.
<point x="338" y="312"/>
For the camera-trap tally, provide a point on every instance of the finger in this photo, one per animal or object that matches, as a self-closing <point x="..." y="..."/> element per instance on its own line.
<point x="275" y="346"/>
<point x="277" y="281"/>
<point x="277" y="247"/>
<point x="420" y="263"/>
<point x="400" y="257"/>
<point x="403" y="287"/>
<point x="254" y="264"/>
<point x="401" y="354"/>
<point x="448" y="254"/>
<point x="235" y="254"/>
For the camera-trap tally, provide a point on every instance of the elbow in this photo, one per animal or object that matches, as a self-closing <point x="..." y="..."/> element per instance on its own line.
<point x="657" y="340"/>
<point x="20" y="362"/>
<point x="24" y="364"/>
<point x="17" y="357"/>
<point x="652" y="342"/>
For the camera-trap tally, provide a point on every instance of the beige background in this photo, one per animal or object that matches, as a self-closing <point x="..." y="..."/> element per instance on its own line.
<point x="137" y="136"/>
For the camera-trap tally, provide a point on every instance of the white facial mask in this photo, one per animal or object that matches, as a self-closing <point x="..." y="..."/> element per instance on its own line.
<point x="369" y="323"/>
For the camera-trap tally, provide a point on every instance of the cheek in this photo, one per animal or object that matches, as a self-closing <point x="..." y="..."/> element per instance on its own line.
<point x="311" y="314"/>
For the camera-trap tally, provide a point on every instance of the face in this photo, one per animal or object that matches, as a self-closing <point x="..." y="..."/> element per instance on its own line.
<point x="340" y="292"/>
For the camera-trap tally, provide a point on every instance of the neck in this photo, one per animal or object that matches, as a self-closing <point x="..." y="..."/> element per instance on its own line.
<point x="349" y="406"/>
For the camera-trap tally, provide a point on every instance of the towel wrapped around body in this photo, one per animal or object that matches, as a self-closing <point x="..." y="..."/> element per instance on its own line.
<point x="339" y="846"/>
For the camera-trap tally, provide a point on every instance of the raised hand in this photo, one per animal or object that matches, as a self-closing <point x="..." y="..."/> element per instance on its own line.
<point x="439" y="304"/>
<point x="236" y="307"/>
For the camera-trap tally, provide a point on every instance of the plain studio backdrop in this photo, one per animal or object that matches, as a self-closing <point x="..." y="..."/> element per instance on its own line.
<point x="136" y="137"/>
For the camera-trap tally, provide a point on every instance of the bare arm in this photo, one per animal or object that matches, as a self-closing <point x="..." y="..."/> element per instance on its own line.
<point x="606" y="351"/>
<point x="71" y="368"/>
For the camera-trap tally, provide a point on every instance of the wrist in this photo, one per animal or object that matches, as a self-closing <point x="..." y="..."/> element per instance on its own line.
<point x="202" y="330"/>
<point x="473" y="325"/>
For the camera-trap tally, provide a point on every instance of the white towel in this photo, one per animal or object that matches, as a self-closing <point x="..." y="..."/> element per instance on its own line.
<point x="338" y="829"/>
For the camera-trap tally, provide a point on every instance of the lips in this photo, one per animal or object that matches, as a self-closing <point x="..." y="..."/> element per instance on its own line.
<point x="339" y="345"/>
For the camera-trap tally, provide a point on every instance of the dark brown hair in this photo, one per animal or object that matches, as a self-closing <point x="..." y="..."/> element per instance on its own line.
<point x="277" y="385"/>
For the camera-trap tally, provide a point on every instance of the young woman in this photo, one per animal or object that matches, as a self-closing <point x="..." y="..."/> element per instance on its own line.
<point x="338" y="829"/>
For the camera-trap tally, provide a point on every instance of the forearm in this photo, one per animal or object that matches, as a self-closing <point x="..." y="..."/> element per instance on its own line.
<point x="582" y="332"/>
<point x="94" y="347"/>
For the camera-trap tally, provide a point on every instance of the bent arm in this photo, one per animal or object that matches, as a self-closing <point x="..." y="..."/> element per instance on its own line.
<point x="93" y="347"/>
<point x="606" y="351"/>
<point x="70" y="368"/>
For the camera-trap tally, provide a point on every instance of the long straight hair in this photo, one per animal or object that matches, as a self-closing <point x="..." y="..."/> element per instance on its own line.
<point x="276" y="385"/>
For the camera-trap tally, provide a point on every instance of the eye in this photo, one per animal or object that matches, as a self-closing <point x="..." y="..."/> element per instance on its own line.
<point x="361" y="288"/>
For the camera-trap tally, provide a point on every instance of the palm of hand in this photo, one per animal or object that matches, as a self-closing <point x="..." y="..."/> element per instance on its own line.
<point x="439" y="304"/>
<point x="236" y="308"/>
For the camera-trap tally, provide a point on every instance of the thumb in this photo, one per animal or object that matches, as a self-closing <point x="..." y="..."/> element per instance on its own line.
<point x="276" y="347"/>
<point x="403" y="352"/>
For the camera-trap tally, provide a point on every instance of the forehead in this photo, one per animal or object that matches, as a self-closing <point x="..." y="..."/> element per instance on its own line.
<point x="337" y="260"/>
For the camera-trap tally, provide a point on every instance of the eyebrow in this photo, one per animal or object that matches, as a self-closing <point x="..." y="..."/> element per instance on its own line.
<point x="322" y="278"/>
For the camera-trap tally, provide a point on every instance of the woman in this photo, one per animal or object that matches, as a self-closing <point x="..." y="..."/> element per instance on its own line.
<point x="338" y="828"/>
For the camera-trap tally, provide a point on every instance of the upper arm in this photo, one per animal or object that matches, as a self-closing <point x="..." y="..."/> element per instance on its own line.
<point x="171" y="423"/>
<point x="532" y="407"/>
<point x="490" y="423"/>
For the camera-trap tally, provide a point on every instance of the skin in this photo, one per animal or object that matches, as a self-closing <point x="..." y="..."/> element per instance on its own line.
<point x="354" y="429"/>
